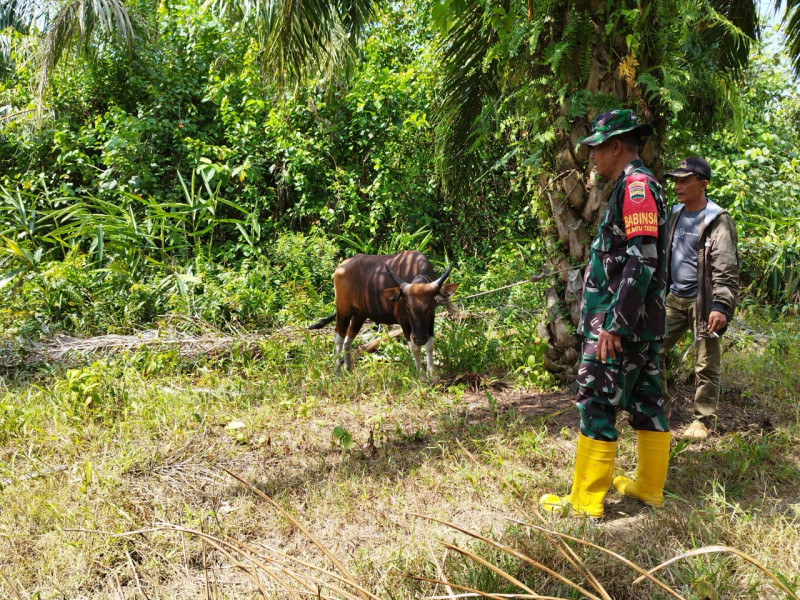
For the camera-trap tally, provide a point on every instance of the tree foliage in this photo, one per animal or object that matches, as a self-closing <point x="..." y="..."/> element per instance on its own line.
<point x="160" y="168"/>
<point x="755" y="177"/>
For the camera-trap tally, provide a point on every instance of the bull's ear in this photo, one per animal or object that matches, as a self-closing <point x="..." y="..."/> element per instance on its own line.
<point x="447" y="290"/>
<point x="392" y="294"/>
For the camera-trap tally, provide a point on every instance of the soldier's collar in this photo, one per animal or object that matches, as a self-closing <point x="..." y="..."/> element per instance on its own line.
<point x="634" y="164"/>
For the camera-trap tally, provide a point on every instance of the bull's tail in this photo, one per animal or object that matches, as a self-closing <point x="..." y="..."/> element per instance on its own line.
<point x="322" y="322"/>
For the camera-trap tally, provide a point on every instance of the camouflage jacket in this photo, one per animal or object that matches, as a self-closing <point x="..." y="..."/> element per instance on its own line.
<point x="625" y="281"/>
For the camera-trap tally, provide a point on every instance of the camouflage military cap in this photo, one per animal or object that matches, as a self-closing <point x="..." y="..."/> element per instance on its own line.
<point x="615" y="122"/>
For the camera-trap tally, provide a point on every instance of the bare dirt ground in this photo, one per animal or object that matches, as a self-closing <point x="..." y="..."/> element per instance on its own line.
<point x="736" y="411"/>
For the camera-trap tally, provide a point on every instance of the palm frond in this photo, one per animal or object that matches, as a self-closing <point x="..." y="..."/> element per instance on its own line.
<point x="74" y="26"/>
<point x="302" y="38"/>
<point x="465" y="87"/>
<point x="16" y="15"/>
<point x="300" y="35"/>
<point x="791" y="27"/>
<point x="356" y="18"/>
<point x="17" y="115"/>
<point x="734" y="26"/>
<point x="20" y="14"/>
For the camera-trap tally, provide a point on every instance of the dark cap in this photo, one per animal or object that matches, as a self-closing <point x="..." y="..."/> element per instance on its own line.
<point x="694" y="165"/>
<point x="615" y="122"/>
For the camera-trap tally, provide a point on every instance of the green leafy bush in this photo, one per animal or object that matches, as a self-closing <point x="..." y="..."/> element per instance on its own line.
<point x="754" y="176"/>
<point x="97" y="391"/>
<point x="289" y="283"/>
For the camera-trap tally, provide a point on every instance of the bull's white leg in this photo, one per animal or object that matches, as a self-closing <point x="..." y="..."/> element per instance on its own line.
<point x="415" y="353"/>
<point x="348" y="347"/>
<point x="338" y="343"/>
<point x="429" y="356"/>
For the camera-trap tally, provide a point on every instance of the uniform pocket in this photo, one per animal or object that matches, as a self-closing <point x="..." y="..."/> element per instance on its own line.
<point x="594" y="374"/>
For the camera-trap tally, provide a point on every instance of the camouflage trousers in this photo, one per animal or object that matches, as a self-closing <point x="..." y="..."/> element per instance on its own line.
<point x="629" y="382"/>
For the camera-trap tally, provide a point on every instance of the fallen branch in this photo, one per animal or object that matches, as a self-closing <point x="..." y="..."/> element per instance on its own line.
<point x="37" y="475"/>
<point x="11" y="586"/>
<point x="511" y="552"/>
<point x="727" y="549"/>
<point x="373" y="345"/>
<point x="187" y="344"/>
<point x="561" y="547"/>
<point x="472" y="591"/>
<point x="18" y="355"/>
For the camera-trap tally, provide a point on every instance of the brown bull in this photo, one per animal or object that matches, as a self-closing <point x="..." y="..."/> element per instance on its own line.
<point x="377" y="287"/>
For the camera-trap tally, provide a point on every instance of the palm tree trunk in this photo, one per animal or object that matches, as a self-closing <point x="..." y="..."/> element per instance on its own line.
<point x="577" y="199"/>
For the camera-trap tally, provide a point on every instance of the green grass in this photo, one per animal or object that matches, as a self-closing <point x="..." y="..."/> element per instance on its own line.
<point x="142" y="439"/>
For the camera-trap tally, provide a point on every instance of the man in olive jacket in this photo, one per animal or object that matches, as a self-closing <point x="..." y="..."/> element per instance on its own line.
<point x="702" y="283"/>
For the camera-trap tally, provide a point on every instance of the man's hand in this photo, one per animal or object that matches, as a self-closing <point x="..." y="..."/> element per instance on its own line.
<point x="716" y="321"/>
<point x="608" y="344"/>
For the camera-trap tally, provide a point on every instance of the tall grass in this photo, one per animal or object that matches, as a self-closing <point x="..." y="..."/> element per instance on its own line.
<point x="135" y="442"/>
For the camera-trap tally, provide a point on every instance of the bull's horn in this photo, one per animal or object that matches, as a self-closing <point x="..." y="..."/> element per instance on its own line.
<point x="403" y="285"/>
<point x="438" y="283"/>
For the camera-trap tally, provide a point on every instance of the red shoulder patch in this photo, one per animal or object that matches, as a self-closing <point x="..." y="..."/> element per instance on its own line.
<point x="639" y="207"/>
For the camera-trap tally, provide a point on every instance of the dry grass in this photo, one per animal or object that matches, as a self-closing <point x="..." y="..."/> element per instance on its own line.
<point x="436" y="497"/>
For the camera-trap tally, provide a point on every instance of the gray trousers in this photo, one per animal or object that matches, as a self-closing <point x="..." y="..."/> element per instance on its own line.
<point x="707" y="367"/>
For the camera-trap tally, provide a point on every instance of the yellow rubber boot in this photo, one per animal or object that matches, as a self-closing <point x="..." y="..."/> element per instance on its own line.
<point x="594" y="461"/>
<point x="651" y="473"/>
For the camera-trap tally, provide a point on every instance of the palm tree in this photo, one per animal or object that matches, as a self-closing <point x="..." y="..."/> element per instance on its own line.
<point x="74" y="25"/>
<point x="297" y="38"/>
<point x="549" y="66"/>
<point x="302" y="37"/>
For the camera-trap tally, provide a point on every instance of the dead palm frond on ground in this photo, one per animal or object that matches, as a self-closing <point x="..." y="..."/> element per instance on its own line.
<point x="273" y="572"/>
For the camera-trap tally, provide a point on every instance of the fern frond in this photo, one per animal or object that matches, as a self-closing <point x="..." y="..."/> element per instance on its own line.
<point x="652" y="87"/>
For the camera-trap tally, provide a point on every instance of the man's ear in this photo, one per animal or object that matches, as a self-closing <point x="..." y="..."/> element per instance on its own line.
<point x="392" y="294"/>
<point x="447" y="290"/>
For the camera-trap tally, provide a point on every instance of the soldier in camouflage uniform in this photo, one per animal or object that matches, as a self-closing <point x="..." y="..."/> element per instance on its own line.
<point x="622" y="322"/>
